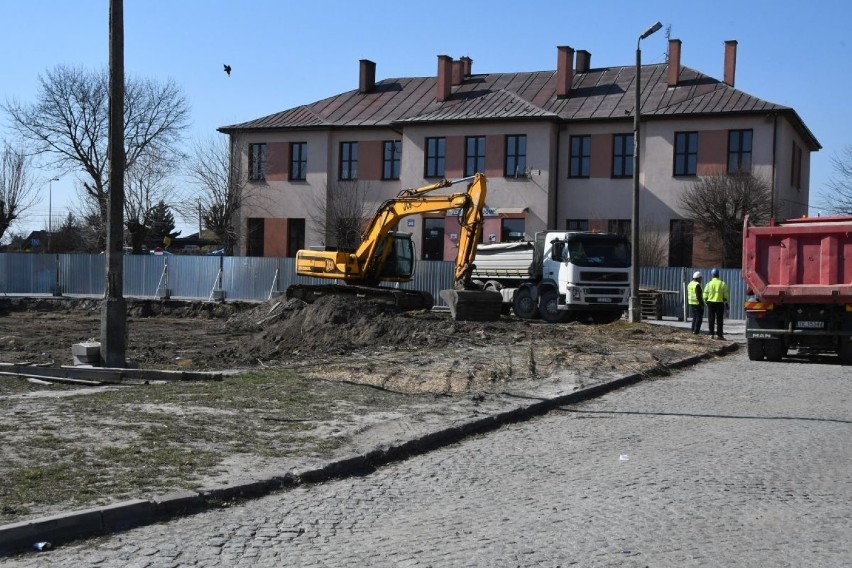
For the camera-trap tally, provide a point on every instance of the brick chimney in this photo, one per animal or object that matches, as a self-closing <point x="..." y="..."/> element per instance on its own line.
<point x="445" y="78"/>
<point x="730" y="61"/>
<point x="367" y="80"/>
<point x="564" y="70"/>
<point x="458" y="72"/>
<point x="467" y="64"/>
<point x="674" y="62"/>
<point x="584" y="61"/>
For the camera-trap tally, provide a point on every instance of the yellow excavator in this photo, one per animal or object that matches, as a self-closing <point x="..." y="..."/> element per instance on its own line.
<point x="386" y="255"/>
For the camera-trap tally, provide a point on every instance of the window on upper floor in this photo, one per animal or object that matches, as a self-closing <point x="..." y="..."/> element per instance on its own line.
<point x="686" y="153"/>
<point x="391" y="157"/>
<point x="474" y="155"/>
<point x="581" y="156"/>
<point x="796" y="167"/>
<point x="298" y="161"/>
<point x="348" y="161"/>
<point x="576" y="224"/>
<point x="739" y="151"/>
<point x="622" y="155"/>
<point x="516" y="156"/>
<point x="436" y="156"/>
<point x="257" y="162"/>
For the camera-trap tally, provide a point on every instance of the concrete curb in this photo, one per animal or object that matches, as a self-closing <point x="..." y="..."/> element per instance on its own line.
<point x="138" y="512"/>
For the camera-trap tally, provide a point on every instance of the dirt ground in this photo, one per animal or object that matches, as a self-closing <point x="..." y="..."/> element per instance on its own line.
<point x="341" y="339"/>
<point x="68" y="447"/>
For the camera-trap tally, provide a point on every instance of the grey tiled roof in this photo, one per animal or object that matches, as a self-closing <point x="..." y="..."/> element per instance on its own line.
<point x="600" y="94"/>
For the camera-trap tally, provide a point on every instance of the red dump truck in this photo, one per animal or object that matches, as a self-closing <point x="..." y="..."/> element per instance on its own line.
<point x="798" y="287"/>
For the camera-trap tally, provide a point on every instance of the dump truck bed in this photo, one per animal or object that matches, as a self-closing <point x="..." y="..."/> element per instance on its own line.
<point x="806" y="260"/>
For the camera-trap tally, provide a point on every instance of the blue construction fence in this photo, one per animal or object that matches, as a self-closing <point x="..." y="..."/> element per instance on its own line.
<point x="259" y="279"/>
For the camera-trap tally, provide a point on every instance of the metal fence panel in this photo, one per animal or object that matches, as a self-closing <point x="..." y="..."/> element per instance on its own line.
<point x="143" y="274"/>
<point x="27" y="273"/>
<point x="250" y="278"/>
<point x="192" y="276"/>
<point x="255" y="278"/>
<point x="82" y="274"/>
<point x="432" y="276"/>
<point x="675" y="279"/>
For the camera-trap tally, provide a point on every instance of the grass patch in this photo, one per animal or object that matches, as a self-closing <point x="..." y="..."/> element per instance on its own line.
<point x="79" y="451"/>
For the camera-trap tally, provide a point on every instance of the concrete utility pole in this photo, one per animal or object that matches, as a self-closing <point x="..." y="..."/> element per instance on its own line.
<point x="114" y="309"/>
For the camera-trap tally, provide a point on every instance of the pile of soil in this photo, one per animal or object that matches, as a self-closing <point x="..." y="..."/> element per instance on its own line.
<point x="344" y="339"/>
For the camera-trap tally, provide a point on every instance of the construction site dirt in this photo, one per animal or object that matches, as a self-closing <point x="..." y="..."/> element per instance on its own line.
<point x="303" y="382"/>
<point x="337" y="338"/>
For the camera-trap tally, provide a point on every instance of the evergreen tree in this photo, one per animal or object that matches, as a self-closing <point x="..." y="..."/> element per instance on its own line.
<point x="162" y="225"/>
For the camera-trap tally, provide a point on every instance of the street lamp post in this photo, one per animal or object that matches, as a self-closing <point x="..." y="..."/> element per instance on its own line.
<point x="50" y="210"/>
<point x="635" y="312"/>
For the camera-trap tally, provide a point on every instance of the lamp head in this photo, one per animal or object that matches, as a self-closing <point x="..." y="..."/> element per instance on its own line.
<point x="656" y="27"/>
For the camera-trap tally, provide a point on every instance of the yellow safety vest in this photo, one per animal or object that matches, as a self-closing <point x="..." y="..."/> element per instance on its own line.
<point x="716" y="291"/>
<point x="693" y="293"/>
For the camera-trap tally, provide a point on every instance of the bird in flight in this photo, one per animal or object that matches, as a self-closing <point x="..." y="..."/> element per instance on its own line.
<point x="228" y="69"/>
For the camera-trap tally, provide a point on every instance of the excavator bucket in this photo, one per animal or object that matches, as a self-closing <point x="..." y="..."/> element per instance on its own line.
<point x="473" y="305"/>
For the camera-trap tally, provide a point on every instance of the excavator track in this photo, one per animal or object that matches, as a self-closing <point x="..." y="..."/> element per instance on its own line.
<point x="473" y="305"/>
<point x="402" y="300"/>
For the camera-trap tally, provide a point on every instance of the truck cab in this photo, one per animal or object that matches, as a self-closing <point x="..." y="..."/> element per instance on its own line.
<point x="559" y="276"/>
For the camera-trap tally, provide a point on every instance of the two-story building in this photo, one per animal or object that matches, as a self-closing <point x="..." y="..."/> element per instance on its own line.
<point x="556" y="147"/>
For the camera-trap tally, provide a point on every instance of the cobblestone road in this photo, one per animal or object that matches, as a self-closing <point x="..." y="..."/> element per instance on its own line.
<point x="733" y="463"/>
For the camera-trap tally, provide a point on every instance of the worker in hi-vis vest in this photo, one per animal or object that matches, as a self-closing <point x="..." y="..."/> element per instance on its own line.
<point x="716" y="296"/>
<point x="695" y="296"/>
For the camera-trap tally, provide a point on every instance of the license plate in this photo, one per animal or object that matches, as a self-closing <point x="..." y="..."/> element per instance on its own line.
<point x="810" y="324"/>
<point x="604" y="299"/>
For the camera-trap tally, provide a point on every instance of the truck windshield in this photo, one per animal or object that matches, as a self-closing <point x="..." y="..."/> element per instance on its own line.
<point x="592" y="250"/>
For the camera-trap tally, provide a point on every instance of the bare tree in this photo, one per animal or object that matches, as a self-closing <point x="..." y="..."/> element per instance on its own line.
<point x="147" y="185"/>
<point x="717" y="205"/>
<point x="69" y="124"/>
<point x="343" y="212"/>
<point x="17" y="186"/>
<point x="224" y="188"/>
<point x="839" y="197"/>
<point x="653" y="244"/>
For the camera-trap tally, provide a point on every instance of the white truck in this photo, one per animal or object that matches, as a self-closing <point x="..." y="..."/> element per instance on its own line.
<point x="560" y="276"/>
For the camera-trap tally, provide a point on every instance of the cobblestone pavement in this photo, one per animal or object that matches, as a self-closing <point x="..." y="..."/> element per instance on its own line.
<point x="731" y="463"/>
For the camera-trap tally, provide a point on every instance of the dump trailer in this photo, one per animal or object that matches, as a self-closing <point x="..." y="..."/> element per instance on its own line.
<point x="559" y="276"/>
<point x="798" y="287"/>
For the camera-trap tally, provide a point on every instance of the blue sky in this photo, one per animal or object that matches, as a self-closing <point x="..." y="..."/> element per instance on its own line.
<point x="286" y="53"/>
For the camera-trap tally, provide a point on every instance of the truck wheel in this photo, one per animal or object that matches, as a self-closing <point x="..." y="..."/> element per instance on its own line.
<point x="547" y="307"/>
<point x="774" y="349"/>
<point x="845" y="352"/>
<point x="755" y="349"/>
<point x="523" y="304"/>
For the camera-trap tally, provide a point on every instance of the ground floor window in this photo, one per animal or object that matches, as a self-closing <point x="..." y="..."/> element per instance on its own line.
<point x="680" y="242"/>
<point x="433" y="239"/>
<point x="254" y="240"/>
<point x="512" y="230"/>
<point x="295" y="236"/>
<point x="576" y="224"/>
<point x="619" y="227"/>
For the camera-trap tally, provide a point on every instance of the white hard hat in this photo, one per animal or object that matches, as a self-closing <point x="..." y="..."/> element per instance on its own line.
<point x="697" y="275"/>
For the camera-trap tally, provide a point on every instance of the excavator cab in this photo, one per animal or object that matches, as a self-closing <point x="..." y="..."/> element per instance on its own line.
<point x="399" y="264"/>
